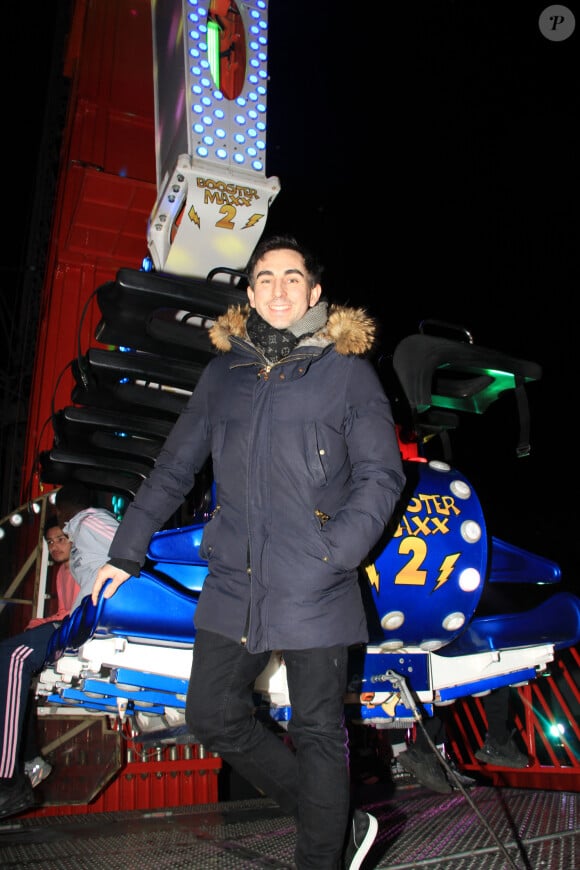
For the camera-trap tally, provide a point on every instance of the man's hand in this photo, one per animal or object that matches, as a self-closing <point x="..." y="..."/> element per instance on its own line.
<point x="108" y="572"/>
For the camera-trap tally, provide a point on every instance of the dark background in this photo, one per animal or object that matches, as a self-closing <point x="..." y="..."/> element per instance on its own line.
<point x="428" y="151"/>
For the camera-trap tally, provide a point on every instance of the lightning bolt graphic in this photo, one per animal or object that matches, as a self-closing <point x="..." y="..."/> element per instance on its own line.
<point x="446" y="570"/>
<point x="373" y="575"/>
<point x="194" y="217"/>
<point x="253" y="220"/>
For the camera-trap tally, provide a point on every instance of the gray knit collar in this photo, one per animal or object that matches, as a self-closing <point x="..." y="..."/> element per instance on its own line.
<point x="314" y="319"/>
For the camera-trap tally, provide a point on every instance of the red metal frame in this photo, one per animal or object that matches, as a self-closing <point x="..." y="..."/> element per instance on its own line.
<point x="106" y="191"/>
<point x="554" y="762"/>
<point x="150" y="779"/>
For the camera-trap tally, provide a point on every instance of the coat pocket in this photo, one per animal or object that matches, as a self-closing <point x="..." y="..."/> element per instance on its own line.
<point x="209" y="537"/>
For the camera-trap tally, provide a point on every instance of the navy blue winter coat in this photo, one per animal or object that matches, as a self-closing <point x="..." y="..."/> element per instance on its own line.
<point x="307" y="470"/>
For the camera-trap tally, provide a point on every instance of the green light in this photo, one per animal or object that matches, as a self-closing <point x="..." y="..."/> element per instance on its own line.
<point x="118" y="505"/>
<point x="469" y="389"/>
<point x="213" y="50"/>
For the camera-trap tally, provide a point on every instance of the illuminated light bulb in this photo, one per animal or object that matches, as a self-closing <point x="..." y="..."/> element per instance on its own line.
<point x="470" y="531"/>
<point x="52" y="497"/>
<point x="469" y="580"/>
<point x="430" y="645"/>
<point x="454" y="621"/>
<point x="392" y="620"/>
<point x="35" y="507"/>
<point x="438" y="465"/>
<point x="391" y="644"/>
<point x="16" y="520"/>
<point x="460" y="489"/>
<point x="2" y="532"/>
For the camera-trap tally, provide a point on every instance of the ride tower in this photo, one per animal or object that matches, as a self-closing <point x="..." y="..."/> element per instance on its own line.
<point x="210" y="88"/>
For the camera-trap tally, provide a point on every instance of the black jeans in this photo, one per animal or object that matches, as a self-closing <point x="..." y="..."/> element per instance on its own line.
<point x="310" y="783"/>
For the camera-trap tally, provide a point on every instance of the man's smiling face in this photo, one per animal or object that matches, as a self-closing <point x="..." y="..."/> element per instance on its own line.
<point x="280" y="290"/>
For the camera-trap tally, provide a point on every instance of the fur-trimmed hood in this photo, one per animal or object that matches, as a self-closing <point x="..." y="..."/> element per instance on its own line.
<point x="350" y="330"/>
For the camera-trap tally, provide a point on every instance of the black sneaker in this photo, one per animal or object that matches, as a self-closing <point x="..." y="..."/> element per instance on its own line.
<point x="502" y="754"/>
<point x="400" y="776"/>
<point x="17" y="798"/>
<point x="458" y="775"/>
<point x="363" y="830"/>
<point x="426" y="769"/>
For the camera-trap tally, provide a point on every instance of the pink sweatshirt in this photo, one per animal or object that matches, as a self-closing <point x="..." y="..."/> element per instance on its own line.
<point x="66" y="591"/>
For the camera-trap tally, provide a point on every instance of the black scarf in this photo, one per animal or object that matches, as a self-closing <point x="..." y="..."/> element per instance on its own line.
<point x="276" y="344"/>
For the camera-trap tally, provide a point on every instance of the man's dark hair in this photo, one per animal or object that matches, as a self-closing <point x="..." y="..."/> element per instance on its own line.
<point x="72" y="498"/>
<point x="276" y="243"/>
<point x="51" y="523"/>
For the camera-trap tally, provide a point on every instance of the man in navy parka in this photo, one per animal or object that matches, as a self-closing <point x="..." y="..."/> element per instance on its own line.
<point x="308" y="473"/>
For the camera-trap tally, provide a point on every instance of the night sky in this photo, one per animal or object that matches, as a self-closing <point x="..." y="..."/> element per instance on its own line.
<point x="429" y="152"/>
<point x="432" y="156"/>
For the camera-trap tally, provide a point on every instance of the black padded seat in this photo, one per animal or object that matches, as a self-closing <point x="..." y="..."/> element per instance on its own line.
<point x="440" y="376"/>
<point x="163" y="314"/>
<point x="439" y="372"/>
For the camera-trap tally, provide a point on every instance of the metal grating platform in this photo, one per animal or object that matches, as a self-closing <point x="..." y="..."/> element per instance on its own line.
<point x="417" y="829"/>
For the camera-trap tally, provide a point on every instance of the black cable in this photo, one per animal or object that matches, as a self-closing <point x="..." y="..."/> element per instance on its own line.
<point x="80" y="362"/>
